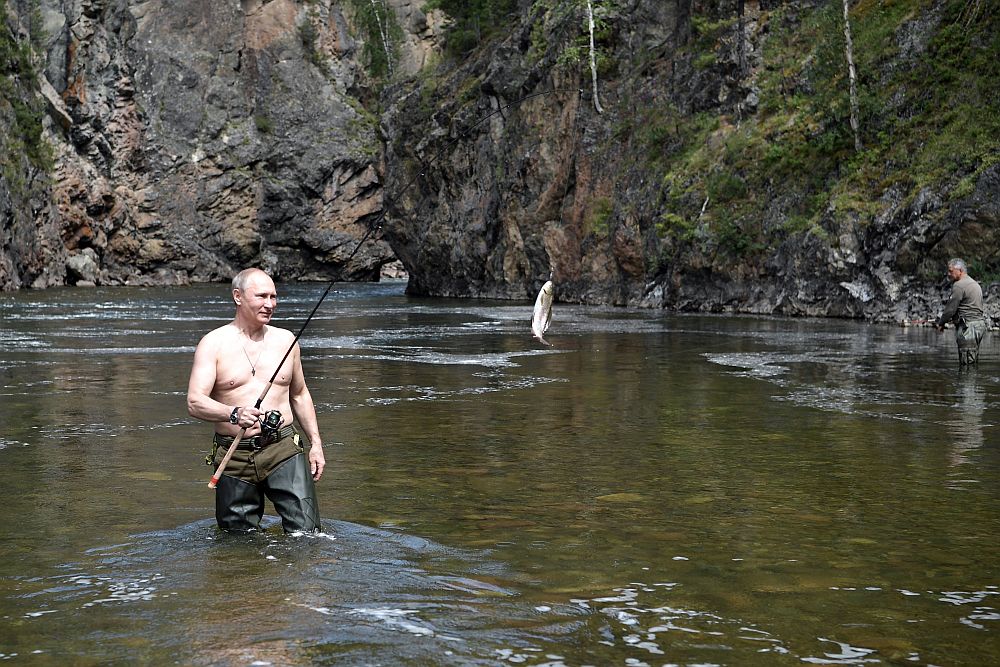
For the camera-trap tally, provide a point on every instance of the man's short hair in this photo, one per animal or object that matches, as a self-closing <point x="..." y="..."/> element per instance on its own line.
<point x="240" y="279"/>
<point x="958" y="264"/>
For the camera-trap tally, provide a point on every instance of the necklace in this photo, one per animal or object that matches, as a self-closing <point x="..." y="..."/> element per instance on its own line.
<point x="253" y="364"/>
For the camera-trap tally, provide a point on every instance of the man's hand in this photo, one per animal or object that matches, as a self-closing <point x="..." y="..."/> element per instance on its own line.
<point x="316" y="461"/>
<point x="247" y="416"/>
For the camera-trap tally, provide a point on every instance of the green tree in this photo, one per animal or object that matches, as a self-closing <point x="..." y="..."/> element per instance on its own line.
<point x="589" y="48"/>
<point x="853" y="78"/>
<point x="21" y="107"/>
<point x="473" y="21"/>
<point x="593" y="55"/>
<point x="382" y="35"/>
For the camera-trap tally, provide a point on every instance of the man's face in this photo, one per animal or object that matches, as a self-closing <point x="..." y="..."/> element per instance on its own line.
<point x="954" y="273"/>
<point x="259" y="298"/>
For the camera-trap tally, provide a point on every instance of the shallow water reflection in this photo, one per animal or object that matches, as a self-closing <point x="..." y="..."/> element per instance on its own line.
<point x="655" y="489"/>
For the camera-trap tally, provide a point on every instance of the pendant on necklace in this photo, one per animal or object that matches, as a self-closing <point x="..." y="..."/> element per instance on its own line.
<point x="253" y="366"/>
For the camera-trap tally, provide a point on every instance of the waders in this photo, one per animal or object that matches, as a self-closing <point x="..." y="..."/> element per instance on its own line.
<point x="969" y="334"/>
<point x="278" y="471"/>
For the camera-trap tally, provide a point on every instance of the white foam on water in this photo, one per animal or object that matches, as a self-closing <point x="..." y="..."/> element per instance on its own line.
<point x="117" y="591"/>
<point x="112" y="351"/>
<point x="848" y="655"/>
<point x="432" y="394"/>
<point x="313" y="535"/>
<point x="6" y="442"/>
<point x="754" y="364"/>
<point x="395" y="618"/>
<point x="16" y="340"/>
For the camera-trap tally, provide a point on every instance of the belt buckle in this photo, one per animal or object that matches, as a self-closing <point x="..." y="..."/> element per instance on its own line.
<point x="259" y="442"/>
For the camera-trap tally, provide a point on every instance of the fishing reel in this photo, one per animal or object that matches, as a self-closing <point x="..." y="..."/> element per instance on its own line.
<point x="270" y="424"/>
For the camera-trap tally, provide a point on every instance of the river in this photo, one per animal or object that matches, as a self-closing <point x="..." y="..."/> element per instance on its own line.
<point x="654" y="489"/>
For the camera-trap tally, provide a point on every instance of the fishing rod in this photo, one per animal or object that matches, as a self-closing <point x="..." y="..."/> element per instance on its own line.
<point x="260" y="399"/>
<point x="374" y="226"/>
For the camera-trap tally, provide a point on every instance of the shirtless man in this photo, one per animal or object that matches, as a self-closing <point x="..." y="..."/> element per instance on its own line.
<point x="232" y="365"/>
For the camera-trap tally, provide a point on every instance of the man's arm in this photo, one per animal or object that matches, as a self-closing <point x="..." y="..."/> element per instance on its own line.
<point x="199" y="401"/>
<point x="951" y="309"/>
<point x="305" y="414"/>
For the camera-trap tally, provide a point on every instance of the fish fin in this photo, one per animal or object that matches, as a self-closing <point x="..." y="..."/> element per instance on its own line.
<point x="542" y="340"/>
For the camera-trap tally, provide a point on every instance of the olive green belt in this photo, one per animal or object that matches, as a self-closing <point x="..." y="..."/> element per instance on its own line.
<point x="256" y="442"/>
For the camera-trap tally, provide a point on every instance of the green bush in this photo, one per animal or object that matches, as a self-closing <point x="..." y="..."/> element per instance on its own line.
<point x="734" y="239"/>
<point x="724" y="187"/>
<point x="21" y="105"/>
<point x="308" y="34"/>
<point x="264" y="124"/>
<point x="671" y="225"/>
<point x="472" y="21"/>
<point x="599" y="216"/>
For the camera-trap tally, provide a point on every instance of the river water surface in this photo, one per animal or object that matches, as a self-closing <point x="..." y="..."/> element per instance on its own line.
<point x="654" y="489"/>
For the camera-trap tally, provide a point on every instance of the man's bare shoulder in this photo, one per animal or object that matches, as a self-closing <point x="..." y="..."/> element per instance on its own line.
<point x="219" y="335"/>
<point x="280" y="335"/>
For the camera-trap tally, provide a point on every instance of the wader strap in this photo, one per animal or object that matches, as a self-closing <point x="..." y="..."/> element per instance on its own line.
<point x="256" y="442"/>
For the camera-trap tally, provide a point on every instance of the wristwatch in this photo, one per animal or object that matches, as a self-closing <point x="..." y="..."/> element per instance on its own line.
<point x="234" y="416"/>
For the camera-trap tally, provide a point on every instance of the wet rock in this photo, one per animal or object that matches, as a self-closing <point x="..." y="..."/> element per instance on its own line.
<point x="82" y="268"/>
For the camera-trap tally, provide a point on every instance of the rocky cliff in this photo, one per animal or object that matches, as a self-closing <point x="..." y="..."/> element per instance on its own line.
<point x="193" y="138"/>
<point x="712" y="168"/>
<point x="719" y="174"/>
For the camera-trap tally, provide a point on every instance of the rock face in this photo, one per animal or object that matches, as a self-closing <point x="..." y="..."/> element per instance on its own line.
<point x="422" y="34"/>
<point x="506" y="171"/>
<point x="195" y="138"/>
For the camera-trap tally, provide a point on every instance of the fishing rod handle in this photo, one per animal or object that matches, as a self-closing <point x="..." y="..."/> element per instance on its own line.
<point x="236" y="440"/>
<point x="225" y="459"/>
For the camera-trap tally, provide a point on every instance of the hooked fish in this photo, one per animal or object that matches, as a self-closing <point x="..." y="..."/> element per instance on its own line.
<point x="541" y="318"/>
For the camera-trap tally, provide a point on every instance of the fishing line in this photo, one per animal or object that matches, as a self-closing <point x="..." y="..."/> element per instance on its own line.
<point x="374" y="226"/>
